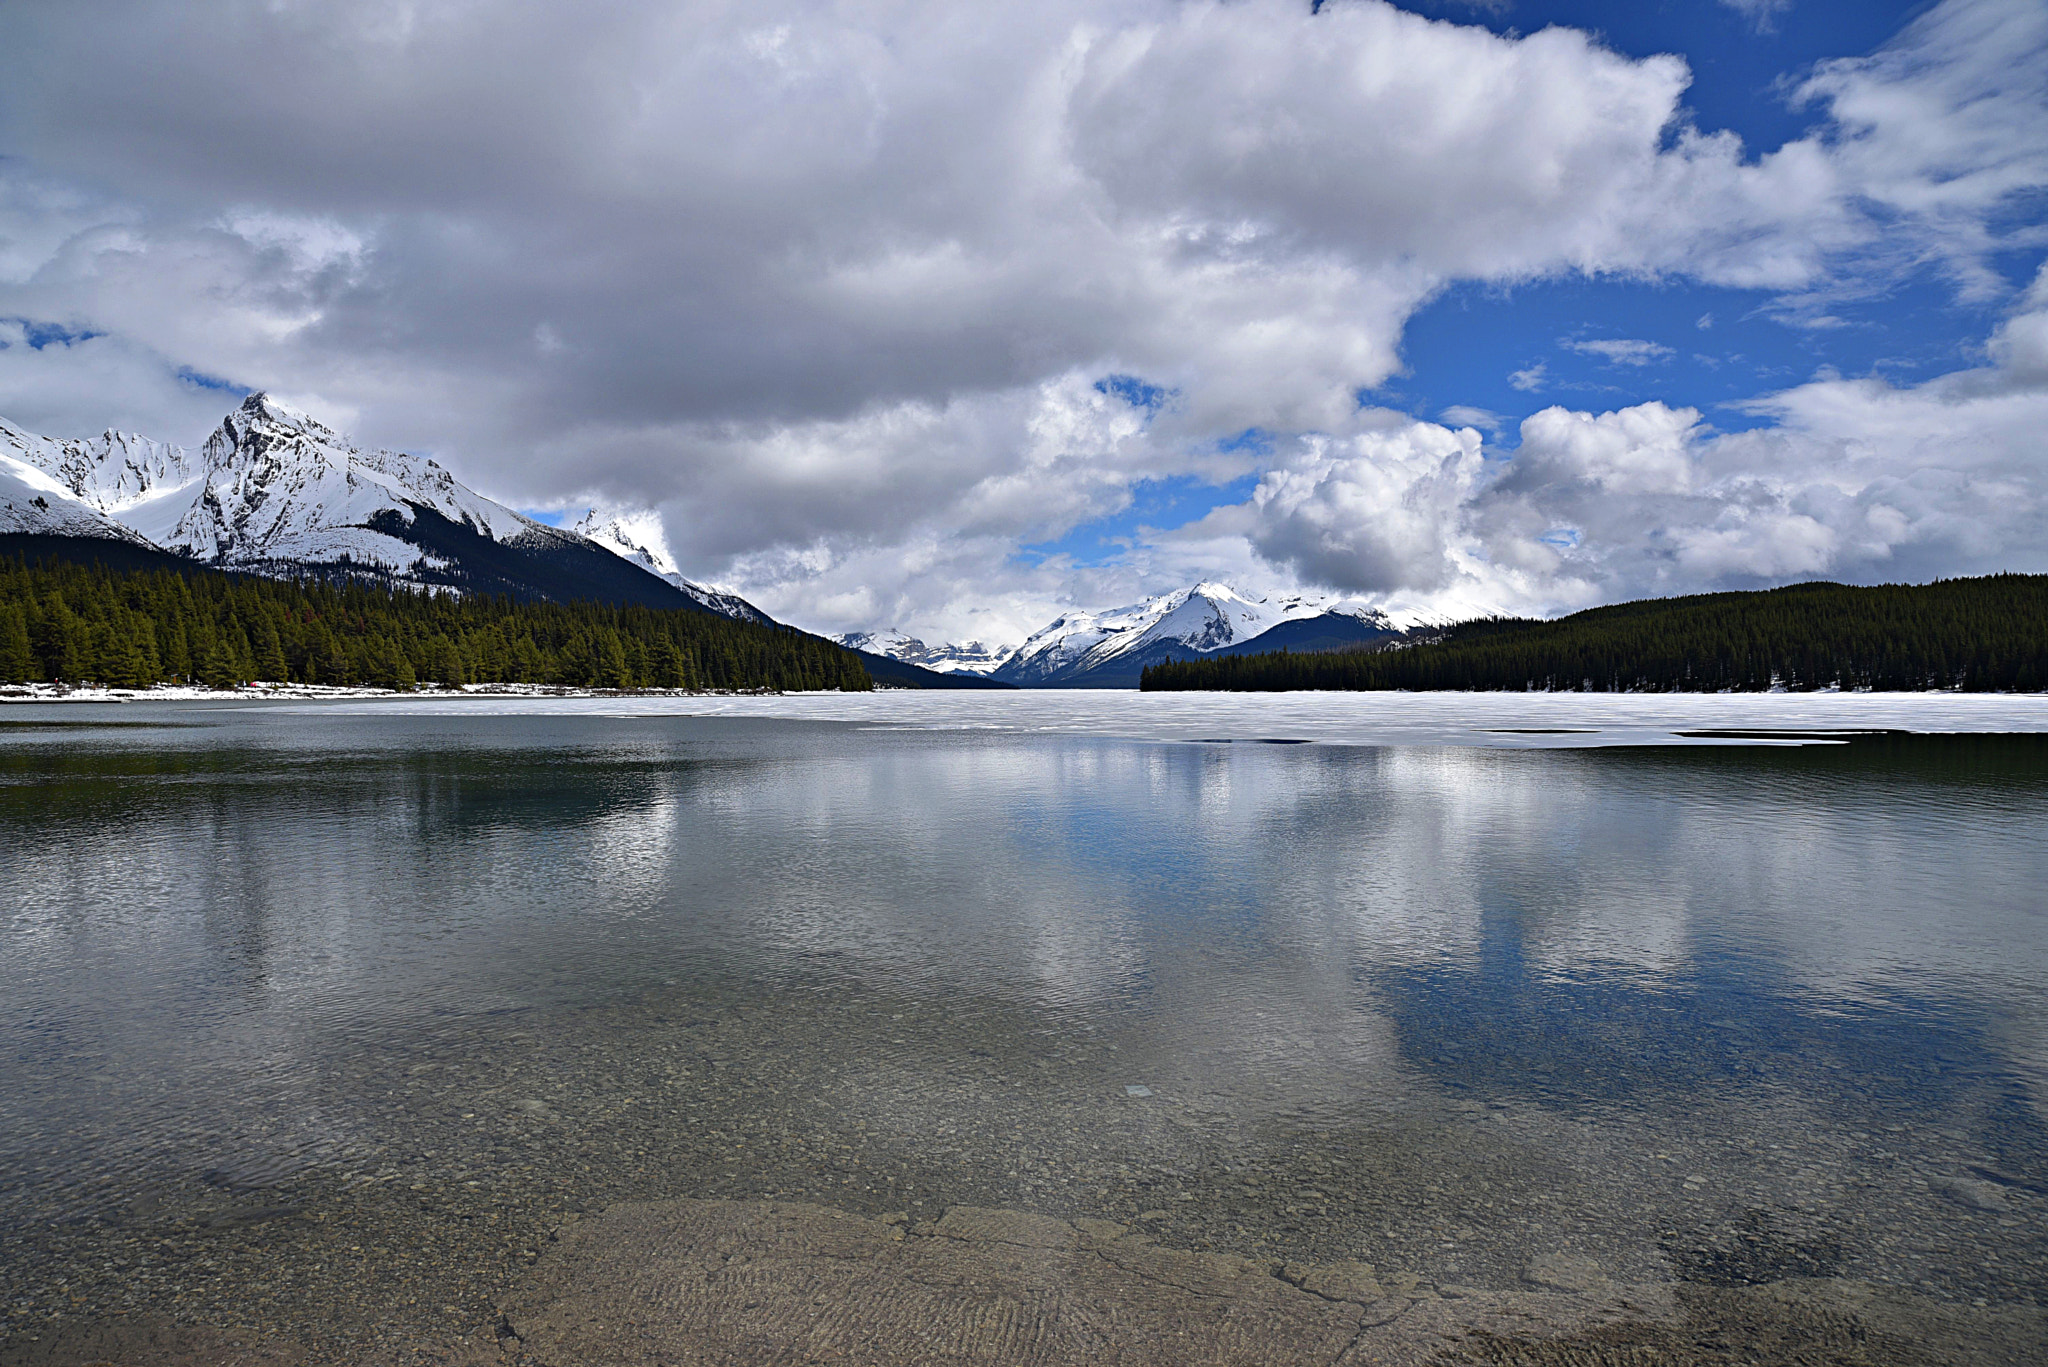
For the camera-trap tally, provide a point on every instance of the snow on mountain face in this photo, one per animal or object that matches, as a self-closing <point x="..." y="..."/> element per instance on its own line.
<point x="35" y="503"/>
<point x="110" y="472"/>
<point x="271" y="486"/>
<point x="1205" y="617"/>
<point x="967" y="657"/>
<point x="638" y="538"/>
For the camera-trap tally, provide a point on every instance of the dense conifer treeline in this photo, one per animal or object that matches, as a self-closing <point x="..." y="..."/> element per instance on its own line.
<point x="127" y="628"/>
<point x="1977" y="635"/>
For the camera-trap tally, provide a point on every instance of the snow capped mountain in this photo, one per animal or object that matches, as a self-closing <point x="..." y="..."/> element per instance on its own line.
<point x="275" y="486"/>
<point x="968" y="657"/>
<point x="638" y="538"/>
<point x="1102" y="648"/>
<point x="274" y="491"/>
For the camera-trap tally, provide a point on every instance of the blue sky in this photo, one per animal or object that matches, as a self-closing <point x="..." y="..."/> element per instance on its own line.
<point x="1501" y="351"/>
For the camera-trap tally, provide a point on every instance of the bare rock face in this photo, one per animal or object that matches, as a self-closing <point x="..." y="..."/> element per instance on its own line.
<point x="741" y="1283"/>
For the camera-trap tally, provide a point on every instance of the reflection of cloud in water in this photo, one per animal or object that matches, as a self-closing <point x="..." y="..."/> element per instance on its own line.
<point x="945" y="866"/>
<point x="1272" y="929"/>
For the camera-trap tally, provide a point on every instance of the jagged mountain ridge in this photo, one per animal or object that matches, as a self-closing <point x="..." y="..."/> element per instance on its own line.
<point x="274" y="491"/>
<point x="110" y="471"/>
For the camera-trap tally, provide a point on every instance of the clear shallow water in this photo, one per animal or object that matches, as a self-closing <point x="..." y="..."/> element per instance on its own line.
<point x="334" y="1010"/>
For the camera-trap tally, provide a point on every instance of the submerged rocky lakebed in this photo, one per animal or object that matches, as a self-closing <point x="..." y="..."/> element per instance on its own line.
<point x="339" y="1035"/>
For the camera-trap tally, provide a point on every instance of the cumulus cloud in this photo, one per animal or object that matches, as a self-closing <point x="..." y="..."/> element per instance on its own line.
<point x="1372" y="513"/>
<point x="1858" y="479"/>
<point x="827" y="284"/>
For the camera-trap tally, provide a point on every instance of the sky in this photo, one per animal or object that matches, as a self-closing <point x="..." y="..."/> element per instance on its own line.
<point x="902" y="313"/>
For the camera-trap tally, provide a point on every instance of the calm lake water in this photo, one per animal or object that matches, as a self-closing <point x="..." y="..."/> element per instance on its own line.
<point x="319" y="1017"/>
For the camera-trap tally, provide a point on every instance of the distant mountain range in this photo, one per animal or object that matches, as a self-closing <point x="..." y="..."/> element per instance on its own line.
<point x="1110" y="649"/>
<point x="969" y="657"/>
<point x="274" y="492"/>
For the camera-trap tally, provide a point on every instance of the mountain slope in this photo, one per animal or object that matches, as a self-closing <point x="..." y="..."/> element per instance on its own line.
<point x="1325" y="631"/>
<point x="888" y="672"/>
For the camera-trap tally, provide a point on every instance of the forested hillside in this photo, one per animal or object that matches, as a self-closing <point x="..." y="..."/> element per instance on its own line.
<point x="1971" y="634"/>
<point x="128" y="628"/>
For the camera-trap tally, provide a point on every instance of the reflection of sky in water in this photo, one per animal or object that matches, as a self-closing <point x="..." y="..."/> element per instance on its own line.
<point x="200" y="914"/>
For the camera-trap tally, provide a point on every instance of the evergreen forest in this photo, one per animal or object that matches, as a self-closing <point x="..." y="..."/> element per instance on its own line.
<point x="1973" y="635"/>
<point x="127" y="628"/>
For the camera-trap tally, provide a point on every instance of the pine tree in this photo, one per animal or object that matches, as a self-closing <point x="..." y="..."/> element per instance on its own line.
<point x="217" y="665"/>
<point x="667" y="665"/>
<point x="609" y="668"/>
<point x="270" y="664"/>
<point x="17" y="665"/>
<point x="446" y="664"/>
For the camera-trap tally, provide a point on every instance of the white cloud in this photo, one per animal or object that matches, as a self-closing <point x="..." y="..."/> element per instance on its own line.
<point x="1465" y="415"/>
<point x="1619" y="350"/>
<point x="1942" y="130"/>
<point x="1762" y="14"/>
<point x="1374" y="512"/>
<point x="827" y="282"/>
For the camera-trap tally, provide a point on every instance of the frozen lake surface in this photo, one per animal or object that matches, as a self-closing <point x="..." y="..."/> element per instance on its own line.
<point x="1489" y="719"/>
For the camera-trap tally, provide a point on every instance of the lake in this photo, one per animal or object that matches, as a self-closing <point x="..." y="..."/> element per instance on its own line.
<point x="324" y="1021"/>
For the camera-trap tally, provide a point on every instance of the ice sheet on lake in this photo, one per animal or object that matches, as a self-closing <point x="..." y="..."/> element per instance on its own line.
<point x="1517" y="720"/>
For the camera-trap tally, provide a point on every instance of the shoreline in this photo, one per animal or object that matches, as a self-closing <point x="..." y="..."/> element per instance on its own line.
<point x="773" y="1282"/>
